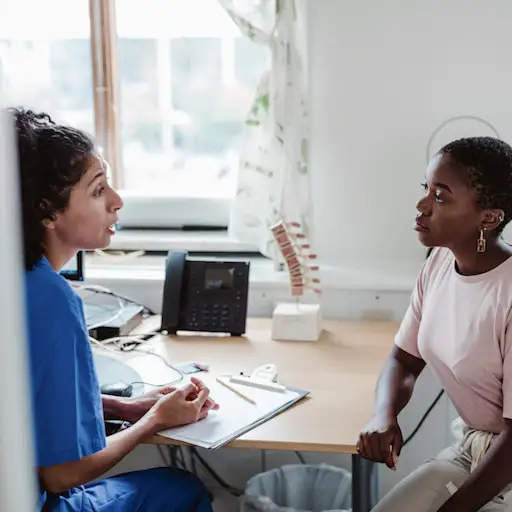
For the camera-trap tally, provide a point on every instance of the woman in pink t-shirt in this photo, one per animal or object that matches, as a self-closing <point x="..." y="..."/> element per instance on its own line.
<point x="457" y="324"/>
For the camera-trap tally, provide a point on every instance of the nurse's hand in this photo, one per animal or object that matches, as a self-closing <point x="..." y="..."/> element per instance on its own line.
<point x="135" y="408"/>
<point x="182" y="406"/>
<point x="159" y="392"/>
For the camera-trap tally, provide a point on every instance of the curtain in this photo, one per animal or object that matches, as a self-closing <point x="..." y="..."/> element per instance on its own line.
<point x="273" y="180"/>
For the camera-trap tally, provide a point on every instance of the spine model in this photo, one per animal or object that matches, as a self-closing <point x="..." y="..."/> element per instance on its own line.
<point x="295" y="248"/>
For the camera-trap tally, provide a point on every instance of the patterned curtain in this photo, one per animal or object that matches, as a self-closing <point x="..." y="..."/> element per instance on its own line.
<point x="273" y="181"/>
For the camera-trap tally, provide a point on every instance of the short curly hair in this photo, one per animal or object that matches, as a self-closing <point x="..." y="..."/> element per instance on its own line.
<point x="487" y="166"/>
<point x="51" y="159"/>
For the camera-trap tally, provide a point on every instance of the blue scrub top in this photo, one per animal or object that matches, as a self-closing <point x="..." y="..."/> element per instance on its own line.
<point x="68" y="411"/>
<point x="66" y="399"/>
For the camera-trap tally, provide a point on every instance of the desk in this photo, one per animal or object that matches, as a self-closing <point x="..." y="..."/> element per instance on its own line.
<point x="340" y="370"/>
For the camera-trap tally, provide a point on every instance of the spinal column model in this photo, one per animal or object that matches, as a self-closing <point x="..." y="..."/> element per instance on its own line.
<point x="294" y="247"/>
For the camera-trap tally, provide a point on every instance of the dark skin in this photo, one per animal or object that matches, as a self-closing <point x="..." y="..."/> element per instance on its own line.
<point x="448" y="217"/>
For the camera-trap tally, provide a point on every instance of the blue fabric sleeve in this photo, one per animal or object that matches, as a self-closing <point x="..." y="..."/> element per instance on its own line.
<point x="67" y="406"/>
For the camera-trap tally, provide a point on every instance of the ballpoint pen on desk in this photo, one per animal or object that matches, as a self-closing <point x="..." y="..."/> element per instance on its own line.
<point x="238" y="392"/>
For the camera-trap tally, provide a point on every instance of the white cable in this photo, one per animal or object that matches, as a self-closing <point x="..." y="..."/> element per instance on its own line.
<point x="117" y="342"/>
<point x="172" y="367"/>
<point x="94" y="341"/>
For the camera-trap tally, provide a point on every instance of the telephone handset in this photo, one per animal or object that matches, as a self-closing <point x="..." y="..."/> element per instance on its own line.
<point x="204" y="295"/>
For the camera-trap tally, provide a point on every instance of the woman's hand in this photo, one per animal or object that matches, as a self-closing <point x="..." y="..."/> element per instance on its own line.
<point x="159" y="392"/>
<point x="135" y="408"/>
<point x="182" y="406"/>
<point x="381" y="440"/>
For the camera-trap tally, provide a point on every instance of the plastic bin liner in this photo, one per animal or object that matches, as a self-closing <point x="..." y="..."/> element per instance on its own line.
<point x="299" y="488"/>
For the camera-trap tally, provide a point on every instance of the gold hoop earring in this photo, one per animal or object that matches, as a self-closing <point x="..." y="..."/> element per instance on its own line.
<point x="481" y="243"/>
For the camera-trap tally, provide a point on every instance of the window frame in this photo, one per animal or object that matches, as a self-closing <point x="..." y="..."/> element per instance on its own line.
<point x="104" y="66"/>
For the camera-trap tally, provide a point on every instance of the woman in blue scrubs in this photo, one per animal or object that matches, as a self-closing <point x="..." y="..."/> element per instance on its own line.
<point x="68" y="205"/>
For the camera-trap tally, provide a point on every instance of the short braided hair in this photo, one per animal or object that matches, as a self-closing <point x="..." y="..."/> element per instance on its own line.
<point x="487" y="165"/>
<point x="52" y="159"/>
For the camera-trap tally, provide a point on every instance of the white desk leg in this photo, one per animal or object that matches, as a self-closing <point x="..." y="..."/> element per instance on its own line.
<point x="364" y="484"/>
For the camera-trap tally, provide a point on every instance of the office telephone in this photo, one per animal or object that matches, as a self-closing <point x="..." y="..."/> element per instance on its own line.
<point x="204" y="295"/>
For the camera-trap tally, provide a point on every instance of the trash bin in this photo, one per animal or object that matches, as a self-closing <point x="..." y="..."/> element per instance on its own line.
<point x="299" y="488"/>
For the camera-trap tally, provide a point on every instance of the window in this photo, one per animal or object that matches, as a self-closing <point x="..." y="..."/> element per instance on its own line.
<point x="45" y="62"/>
<point x="187" y="78"/>
<point x="164" y="84"/>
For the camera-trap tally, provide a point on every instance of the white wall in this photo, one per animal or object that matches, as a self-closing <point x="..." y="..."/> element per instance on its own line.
<point x="384" y="76"/>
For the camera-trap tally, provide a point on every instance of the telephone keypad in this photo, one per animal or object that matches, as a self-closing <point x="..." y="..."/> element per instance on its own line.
<point x="214" y="317"/>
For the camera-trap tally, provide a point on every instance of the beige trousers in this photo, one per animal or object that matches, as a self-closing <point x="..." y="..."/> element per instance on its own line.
<point x="428" y="487"/>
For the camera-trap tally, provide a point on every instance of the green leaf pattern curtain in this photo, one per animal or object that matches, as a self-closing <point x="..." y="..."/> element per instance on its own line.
<point x="273" y="179"/>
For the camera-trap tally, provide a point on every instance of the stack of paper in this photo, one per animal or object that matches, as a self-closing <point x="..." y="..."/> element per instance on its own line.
<point x="235" y="416"/>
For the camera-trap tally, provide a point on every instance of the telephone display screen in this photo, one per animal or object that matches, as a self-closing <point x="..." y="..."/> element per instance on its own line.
<point x="219" y="278"/>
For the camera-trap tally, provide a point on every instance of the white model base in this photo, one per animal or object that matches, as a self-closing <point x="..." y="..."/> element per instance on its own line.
<point x="296" y="322"/>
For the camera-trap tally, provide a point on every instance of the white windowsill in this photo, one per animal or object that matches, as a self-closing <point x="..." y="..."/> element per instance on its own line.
<point x="159" y="210"/>
<point x="263" y="275"/>
<point x="163" y="240"/>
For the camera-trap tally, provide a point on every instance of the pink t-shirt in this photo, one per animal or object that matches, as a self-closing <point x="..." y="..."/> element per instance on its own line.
<point x="459" y="325"/>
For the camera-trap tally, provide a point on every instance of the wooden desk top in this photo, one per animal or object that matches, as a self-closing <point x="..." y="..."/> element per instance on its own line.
<point x="340" y="370"/>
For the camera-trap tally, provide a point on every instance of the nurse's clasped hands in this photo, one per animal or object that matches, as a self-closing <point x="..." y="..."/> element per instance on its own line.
<point x="181" y="406"/>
